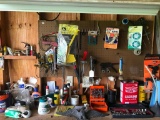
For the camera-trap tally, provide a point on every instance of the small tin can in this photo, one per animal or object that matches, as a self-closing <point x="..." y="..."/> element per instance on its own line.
<point x="141" y="93"/>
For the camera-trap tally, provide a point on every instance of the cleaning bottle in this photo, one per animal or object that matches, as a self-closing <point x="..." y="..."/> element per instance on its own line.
<point x="43" y="107"/>
<point x="21" y="83"/>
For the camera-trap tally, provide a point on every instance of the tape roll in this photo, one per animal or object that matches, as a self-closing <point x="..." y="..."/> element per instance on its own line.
<point x="26" y="114"/>
<point x="137" y="52"/>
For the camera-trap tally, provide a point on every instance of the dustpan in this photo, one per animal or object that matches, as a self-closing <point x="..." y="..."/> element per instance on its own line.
<point x="70" y="57"/>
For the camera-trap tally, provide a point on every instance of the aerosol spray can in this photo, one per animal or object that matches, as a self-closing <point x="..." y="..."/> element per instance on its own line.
<point x="31" y="50"/>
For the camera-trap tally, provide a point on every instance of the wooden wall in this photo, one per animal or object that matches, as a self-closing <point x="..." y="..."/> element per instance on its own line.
<point x="23" y="26"/>
<point x="133" y="66"/>
<point x="19" y="27"/>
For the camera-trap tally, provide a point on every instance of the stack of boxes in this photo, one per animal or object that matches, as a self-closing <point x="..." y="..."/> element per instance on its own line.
<point x="97" y="100"/>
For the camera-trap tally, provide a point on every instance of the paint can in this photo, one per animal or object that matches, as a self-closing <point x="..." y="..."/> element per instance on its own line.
<point x="141" y="93"/>
<point x="4" y="100"/>
<point x="74" y="100"/>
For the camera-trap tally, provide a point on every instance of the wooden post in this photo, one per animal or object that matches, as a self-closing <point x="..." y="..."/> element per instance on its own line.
<point x="157" y="37"/>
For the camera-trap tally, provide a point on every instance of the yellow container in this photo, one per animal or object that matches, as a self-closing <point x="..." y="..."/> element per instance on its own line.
<point x="141" y="94"/>
<point x="56" y="102"/>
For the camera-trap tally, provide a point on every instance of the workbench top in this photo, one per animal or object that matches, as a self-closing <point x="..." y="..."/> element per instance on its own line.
<point x="50" y="116"/>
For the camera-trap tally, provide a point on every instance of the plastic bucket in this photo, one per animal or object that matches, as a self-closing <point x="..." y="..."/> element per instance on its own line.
<point x="4" y="100"/>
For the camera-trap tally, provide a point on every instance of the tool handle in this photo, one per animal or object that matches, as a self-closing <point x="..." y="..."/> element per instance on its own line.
<point x="85" y="53"/>
<point x="114" y="69"/>
<point x="91" y="62"/>
<point x="76" y="72"/>
<point x="76" y="32"/>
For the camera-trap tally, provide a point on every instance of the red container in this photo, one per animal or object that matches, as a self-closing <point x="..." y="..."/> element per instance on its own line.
<point x="129" y="92"/>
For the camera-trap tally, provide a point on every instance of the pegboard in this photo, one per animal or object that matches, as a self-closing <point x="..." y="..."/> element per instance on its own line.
<point x="133" y="64"/>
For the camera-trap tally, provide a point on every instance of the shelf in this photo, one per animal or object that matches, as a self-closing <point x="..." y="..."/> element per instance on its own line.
<point x="20" y="57"/>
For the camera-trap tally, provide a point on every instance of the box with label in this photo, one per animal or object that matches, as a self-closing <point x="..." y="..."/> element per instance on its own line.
<point x="152" y="61"/>
<point x="135" y="37"/>
<point x="129" y="92"/>
<point x="111" y="38"/>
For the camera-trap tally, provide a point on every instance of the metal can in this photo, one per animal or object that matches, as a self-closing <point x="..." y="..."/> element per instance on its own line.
<point x="141" y="94"/>
<point x="56" y="101"/>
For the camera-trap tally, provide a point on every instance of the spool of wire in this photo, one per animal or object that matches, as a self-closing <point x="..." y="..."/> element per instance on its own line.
<point x="137" y="52"/>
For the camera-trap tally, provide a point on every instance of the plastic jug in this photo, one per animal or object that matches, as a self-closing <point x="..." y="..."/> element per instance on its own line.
<point x="43" y="107"/>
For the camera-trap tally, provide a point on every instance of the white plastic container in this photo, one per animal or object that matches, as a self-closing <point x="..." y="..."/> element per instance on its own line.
<point x="43" y="107"/>
<point x="75" y="100"/>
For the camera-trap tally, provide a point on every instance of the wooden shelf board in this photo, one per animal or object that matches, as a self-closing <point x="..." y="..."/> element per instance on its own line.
<point x="20" y="57"/>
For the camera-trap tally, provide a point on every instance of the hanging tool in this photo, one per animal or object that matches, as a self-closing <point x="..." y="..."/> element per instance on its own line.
<point x="55" y="60"/>
<point x="120" y="69"/>
<point x="77" y="75"/>
<point x="92" y="37"/>
<point x="71" y="57"/>
<point x="91" y="72"/>
<point x="46" y="40"/>
<point x="83" y="62"/>
<point x="53" y="44"/>
<point x="27" y="46"/>
<point x="106" y="67"/>
<point x="141" y="21"/>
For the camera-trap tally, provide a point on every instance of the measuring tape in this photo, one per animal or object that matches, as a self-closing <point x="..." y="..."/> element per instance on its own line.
<point x="137" y="52"/>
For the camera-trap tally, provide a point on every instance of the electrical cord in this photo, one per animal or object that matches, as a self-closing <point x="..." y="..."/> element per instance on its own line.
<point x="51" y="19"/>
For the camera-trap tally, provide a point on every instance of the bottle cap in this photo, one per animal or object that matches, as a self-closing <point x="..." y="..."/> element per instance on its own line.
<point x="36" y="89"/>
<point x="47" y="87"/>
<point x="57" y="87"/>
<point x="42" y="99"/>
<point x="31" y="47"/>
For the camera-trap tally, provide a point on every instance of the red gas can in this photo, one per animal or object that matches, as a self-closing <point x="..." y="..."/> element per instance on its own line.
<point x="129" y="92"/>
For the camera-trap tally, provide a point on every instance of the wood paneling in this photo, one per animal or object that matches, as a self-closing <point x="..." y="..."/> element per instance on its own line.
<point x="157" y="37"/>
<point x="62" y="16"/>
<point x="108" y="17"/>
<point x="20" y="27"/>
<point x="1" y="72"/>
<point x="135" y="17"/>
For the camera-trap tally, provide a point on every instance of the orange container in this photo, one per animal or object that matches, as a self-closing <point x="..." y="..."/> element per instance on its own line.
<point x="151" y="61"/>
<point x="97" y="100"/>
<point x="99" y="106"/>
<point x="97" y="93"/>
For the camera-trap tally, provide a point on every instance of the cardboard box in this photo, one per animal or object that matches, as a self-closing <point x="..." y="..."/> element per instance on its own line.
<point x="152" y="61"/>
<point x="129" y="92"/>
<point x="111" y="38"/>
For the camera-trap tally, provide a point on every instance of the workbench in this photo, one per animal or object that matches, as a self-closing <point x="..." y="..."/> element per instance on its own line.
<point x="50" y="116"/>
